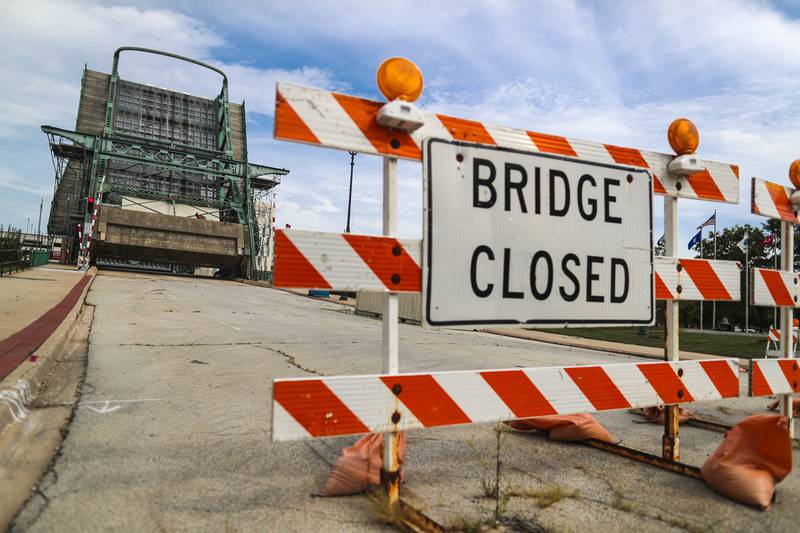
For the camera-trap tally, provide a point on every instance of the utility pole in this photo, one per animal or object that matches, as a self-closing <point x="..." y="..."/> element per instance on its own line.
<point x="39" y="226"/>
<point x="701" y="257"/>
<point x="350" y="193"/>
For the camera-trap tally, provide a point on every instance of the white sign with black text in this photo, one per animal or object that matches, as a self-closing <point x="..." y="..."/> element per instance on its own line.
<point x="513" y="237"/>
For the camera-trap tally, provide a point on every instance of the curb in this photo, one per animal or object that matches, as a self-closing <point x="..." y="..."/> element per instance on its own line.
<point x="587" y="344"/>
<point x="18" y="388"/>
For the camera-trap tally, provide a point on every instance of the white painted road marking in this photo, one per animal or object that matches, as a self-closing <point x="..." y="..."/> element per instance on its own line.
<point x="16" y="399"/>
<point x="108" y="408"/>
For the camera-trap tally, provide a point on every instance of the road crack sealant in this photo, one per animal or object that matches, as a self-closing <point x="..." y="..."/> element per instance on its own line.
<point x="291" y="360"/>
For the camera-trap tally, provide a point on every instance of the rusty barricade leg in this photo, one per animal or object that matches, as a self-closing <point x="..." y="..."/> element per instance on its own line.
<point x="670" y="446"/>
<point x="390" y="473"/>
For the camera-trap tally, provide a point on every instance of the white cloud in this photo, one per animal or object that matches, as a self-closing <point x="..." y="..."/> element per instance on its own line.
<point x="47" y="44"/>
<point x="615" y="73"/>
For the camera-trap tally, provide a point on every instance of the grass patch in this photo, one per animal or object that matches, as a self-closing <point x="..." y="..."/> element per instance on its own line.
<point x="622" y="504"/>
<point x="724" y="344"/>
<point x="546" y="497"/>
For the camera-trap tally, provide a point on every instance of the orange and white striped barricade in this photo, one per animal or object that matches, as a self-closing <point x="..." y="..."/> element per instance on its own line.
<point x="773" y="200"/>
<point x="774" y="288"/>
<point x="773" y="348"/>
<point x="328" y="119"/>
<point x="348" y="262"/>
<point x="697" y="279"/>
<point x="333" y="120"/>
<point x="769" y="377"/>
<point x="778" y="288"/>
<point x="306" y="408"/>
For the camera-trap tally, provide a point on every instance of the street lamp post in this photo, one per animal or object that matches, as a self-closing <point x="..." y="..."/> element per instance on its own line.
<point x="350" y="194"/>
<point x="39" y="226"/>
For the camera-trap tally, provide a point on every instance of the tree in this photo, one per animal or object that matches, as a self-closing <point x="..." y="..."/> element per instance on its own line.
<point x="760" y="255"/>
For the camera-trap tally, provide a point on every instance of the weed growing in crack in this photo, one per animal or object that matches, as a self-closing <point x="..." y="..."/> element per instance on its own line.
<point x="385" y="512"/>
<point x="491" y="475"/>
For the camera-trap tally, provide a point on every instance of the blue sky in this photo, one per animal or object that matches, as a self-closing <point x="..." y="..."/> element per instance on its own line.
<point x="614" y="72"/>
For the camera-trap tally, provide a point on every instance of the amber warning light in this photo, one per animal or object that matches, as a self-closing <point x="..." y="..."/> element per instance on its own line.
<point x="400" y="81"/>
<point x="684" y="139"/>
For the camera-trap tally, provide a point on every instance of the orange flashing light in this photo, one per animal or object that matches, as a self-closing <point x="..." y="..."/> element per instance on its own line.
<point x="683" y="136"/>
<point x="399" y="78"/>
<point x="794" y="173"/>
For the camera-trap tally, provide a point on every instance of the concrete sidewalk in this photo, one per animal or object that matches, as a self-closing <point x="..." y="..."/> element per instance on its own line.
<point x="27" y="295"/>
<point x="593" y="344"/>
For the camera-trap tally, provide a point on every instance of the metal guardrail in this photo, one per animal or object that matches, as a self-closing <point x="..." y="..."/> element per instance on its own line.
<point x="14" y="260"/>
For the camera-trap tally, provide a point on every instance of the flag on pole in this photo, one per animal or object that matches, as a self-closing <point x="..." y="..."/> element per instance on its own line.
<point x="712" y="221"/>
<point x="769" y="240"/>
<point x="696" y="240"/>
<point x="742" y="245"/>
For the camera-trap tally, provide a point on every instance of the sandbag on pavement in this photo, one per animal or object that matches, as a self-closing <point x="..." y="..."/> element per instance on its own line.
<point x="755" y="455"/>
<point x="359" y="466"/>
<point x="773" y="406"/>
<point x="568" y="428"/>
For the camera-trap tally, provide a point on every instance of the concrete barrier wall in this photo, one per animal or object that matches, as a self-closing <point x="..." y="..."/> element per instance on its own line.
<point x="372" y="303"/>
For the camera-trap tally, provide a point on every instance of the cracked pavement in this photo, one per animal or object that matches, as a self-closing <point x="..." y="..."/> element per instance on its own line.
<point x="186" y="446"/>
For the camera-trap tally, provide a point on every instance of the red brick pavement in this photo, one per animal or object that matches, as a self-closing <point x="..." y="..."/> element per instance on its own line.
<point x="16" y="348"/>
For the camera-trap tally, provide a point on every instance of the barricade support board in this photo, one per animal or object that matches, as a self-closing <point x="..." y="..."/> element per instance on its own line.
<point x="333" y="120"/>
<point x="349" y="405"/>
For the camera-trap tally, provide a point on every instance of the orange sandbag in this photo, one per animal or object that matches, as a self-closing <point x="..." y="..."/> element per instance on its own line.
<point x="569" y="428"/>
<point x="359" y="466"/>
<point x="795" y="407"/>
<point x="656" y="414"/>
<point x="755" y="455"/>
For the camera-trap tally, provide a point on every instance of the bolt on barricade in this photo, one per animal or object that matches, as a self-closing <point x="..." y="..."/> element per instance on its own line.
<point x="391" y="402"/>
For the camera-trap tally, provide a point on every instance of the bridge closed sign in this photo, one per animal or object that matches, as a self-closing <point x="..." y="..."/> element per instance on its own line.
<point x="514" y="237"/>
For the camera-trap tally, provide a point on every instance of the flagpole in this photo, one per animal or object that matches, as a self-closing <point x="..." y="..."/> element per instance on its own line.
<point x="701" y="257"/>
<point x="714" y="303"/>
<point x="746" y="281"/>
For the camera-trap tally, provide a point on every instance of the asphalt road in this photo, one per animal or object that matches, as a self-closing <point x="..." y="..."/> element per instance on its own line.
<point x="172" y="432"/>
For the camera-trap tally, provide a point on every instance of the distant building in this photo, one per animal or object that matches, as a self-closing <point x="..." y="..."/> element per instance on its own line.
<point x="265" y="217"/>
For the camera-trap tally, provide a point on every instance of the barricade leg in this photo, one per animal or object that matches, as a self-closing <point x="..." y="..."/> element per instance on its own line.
<point x="390" y="474"/>
<point x="787" y="315"/>
<point x="670" y="447"/>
